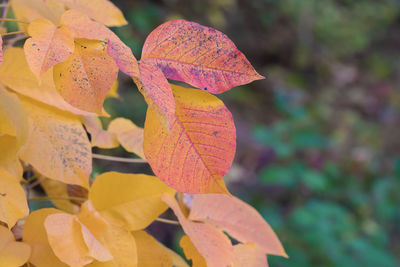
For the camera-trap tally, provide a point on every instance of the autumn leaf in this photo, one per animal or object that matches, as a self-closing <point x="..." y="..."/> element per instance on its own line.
<point x="48" y="46"/>
<point x="72" y="241"/>
<point x="13" y="204"/>
<point x="191" y="252"/>
<point x="57" y="146"/>
<point x="150" y="251"/>
<point x="122" y="246"/>
<point x="29" y="10"/>
<point x="16" y="74"/>
<point x="85" y="78"/>
<point x="198" y="55"/>
<point x="102" y="11"/>
<point x="237" y="218"/>
<point x="249" y="255"/>
<point x="128" y="135"/>
<point x="1" y="50"/>
<point x="157" y="92"/>
<point x="198" y="151"/>
<point x="177" y="260"/>
<point x="99" y="137"/>
<point x="211" y="243"/>
<point x="12" y="253"/>
<point x="83" y="27"/>
<point x="35" y="235"/>
<point x="132" y="201"/>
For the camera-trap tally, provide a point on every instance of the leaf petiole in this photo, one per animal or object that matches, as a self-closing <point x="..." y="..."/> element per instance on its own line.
<point x="119" y="159"/>
<point x="167" y="221"/>
<point x="46" y="198"/>
<point x="12" y="33"/>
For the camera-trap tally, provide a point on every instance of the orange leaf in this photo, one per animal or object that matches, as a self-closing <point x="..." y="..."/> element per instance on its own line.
<point x="237" y="218"/>
<point x="16" y="74"/>
<point x="48" y="46"/>
<point x="57" y="146"/>
<point x="157" y="93"/>
<point x="211" y="243"/>
<point x="249" y="255"/>
<point x="85" y="78"/>
<point x="99" y="137"/>
<point x="201" y="56"/>
<point x="83" y="27"/>
<point x="103" y="11"/>
<point x="198" y="151"/>
<point x="128" y="134"/>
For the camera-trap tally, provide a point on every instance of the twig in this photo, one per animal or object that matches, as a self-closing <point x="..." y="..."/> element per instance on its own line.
<point x="14" y="20"/>
<point x="119" y="159"/>
<point x="167" y="221"/>
<point x="12" y="33"/>
<point x="46" y="198"/>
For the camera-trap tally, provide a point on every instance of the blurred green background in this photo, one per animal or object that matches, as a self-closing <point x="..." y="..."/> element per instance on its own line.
<point x="318" y="150"/>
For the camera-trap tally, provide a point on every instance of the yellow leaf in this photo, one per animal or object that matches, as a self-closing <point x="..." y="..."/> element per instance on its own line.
<point x="14" y="130"/>
<point x="191" y="252"/>
<point x="57" y="146"/>
<point x="13" y="204"/>
<point x="177" y="260"/>
<point x="16" y="74"/>
<point x="66" y="240"/>
<point x="13" y="118"/>
<point x="99" y="137"/>
<point x="122" y="246"/>
<point x="85" y="78"/>
<point x="113" y="93"/>
<point x="129" y="200"/>
<point x="35" y="235"/>
<point x="150" y="251"/>
<point x="249" y="255"/>
<point x="211" y="243"/>
<point x="30" y="10"/>
<point x="103" y="11"/>
<point x="129" y="135"/>
<point x="12" y="253"/>
<point x="55" y="188"/>
<point x="48" y="46"/>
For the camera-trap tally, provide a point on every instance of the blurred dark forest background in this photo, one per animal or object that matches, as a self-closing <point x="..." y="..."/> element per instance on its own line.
<point x="319" y="139"/>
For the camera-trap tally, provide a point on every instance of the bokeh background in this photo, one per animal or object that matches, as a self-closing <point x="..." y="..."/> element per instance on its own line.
<point x="318" y="150"/>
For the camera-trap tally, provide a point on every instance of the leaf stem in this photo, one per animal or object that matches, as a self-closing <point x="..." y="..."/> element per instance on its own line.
<point x="119" y="159"/>
<point x="167" y="221"/>
<point x="45" y="198"/>
<point x="14" y="20"/>
<point x="12" y="33"/>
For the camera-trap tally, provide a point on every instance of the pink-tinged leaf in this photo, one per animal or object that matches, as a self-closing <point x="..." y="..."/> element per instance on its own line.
<point x="48" y="46"/>
<point x="201" y="56"/>
<point x="83" y="27"/>
<point x="211" y="243"/>
<point x="198" y="151"/>
<point x="157" y="92"/>
<point x="249" y="255"/>
<point x="85" y="78"/>
<point x="237" y="218"/>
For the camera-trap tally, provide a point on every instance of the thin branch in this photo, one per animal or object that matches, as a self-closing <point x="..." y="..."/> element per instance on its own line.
<point x="12" y="33"/>
<point x="46" y="198"/>
<point x="119" y="159"/>
<point x="14" y="20"/>
<point x="167" y="221"/>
